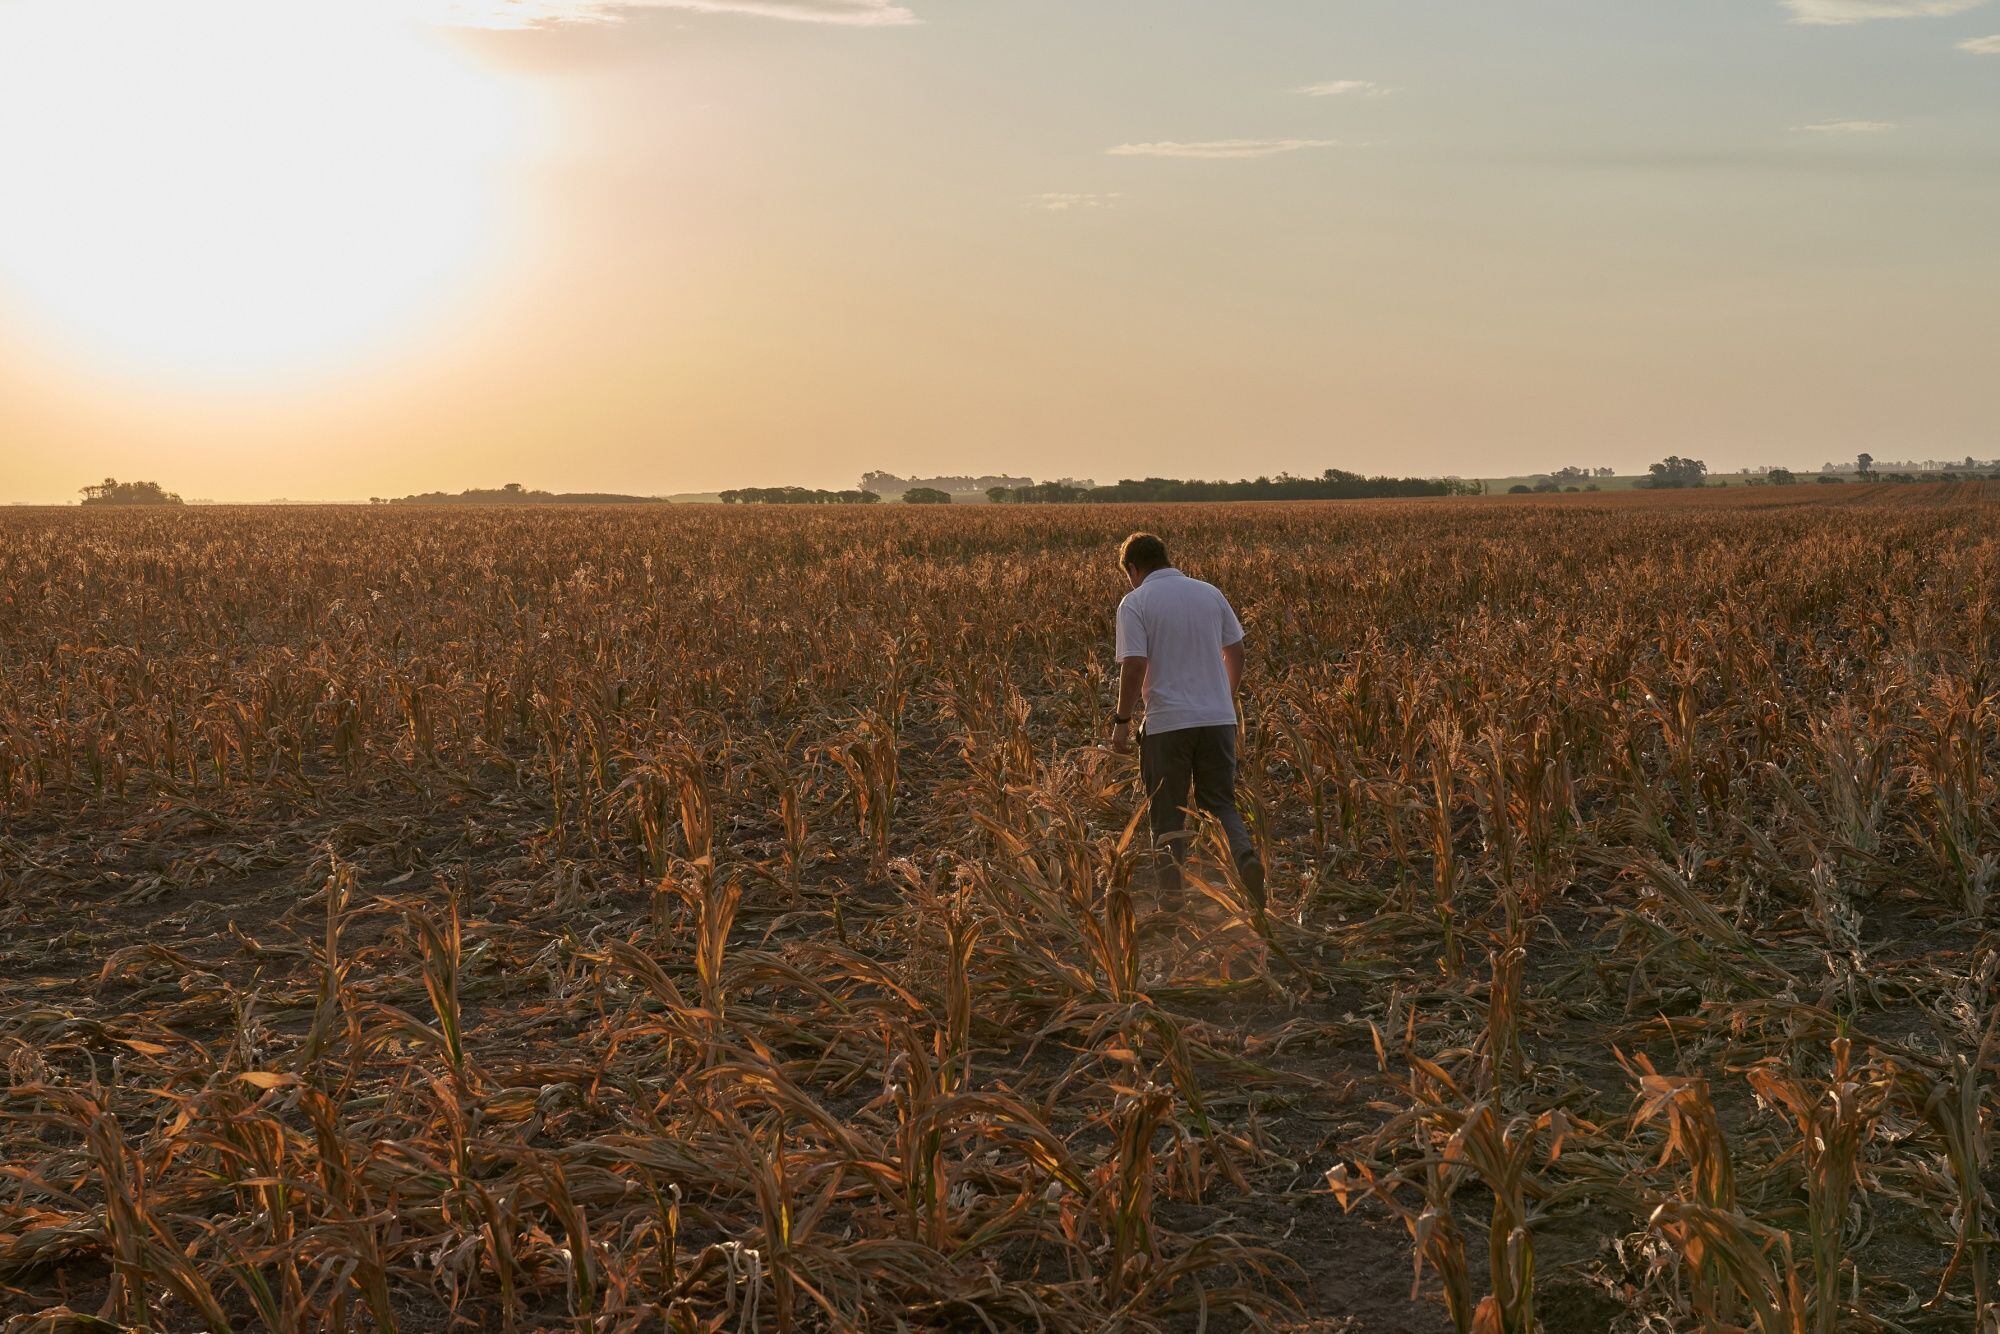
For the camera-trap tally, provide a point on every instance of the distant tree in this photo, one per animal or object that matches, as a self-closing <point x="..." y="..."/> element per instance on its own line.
<point x="1675" y="473"/>
<point x="1520" y="489"/>
<point x="1865" y="464"/>
<point x="513" y="488"/>
<point x="1781" y="477"/>
<point x="926" y="495"/>
<point x="114" y="492"/>
<point x="1833" y="478"/>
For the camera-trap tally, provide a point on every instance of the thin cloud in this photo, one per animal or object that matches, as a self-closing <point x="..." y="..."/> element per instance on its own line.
<point x="1848" y="127"/>
<point x="1060" y="202"/>
<point x="1840" y="12"/>
<point x="1220" y="148"/>
<point x="1346" y="88"/>
<point x="1982" y="46"/>
<point x="518" y="14"/>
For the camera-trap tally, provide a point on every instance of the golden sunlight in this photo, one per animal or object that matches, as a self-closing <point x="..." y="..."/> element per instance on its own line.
<point x="241" y="190"/>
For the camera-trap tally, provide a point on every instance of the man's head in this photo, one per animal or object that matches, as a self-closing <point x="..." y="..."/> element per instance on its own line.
<point x="1140" y="555"/>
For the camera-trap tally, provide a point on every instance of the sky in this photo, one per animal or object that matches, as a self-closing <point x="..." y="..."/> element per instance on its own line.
<point x="333" y="249"/>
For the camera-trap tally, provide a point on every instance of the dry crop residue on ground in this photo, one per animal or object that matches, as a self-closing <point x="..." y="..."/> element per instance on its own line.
<point x="585" y="919"/>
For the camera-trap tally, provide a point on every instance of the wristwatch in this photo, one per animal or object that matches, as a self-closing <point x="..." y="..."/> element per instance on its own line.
<point x="1121" y="720"/>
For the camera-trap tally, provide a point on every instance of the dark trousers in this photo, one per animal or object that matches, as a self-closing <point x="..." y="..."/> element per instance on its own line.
<point x="1203" y="758"/>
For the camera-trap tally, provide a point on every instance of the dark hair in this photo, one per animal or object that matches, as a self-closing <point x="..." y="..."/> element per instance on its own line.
<point x="1143" y="551"/>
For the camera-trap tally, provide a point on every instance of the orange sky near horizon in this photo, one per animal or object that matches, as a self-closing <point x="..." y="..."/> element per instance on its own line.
<point x="287" y="248"/>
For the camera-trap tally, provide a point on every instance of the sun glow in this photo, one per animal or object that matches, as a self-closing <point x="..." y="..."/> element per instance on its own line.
<point x="242" y="190"/>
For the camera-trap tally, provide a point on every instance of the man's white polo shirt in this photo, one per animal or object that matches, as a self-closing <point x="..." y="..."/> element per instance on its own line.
<point x="1180" y="627"/>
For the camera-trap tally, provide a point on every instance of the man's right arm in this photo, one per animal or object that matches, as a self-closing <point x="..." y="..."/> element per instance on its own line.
<point x="1131" y="651"/>
<point x="1131" y="689"/>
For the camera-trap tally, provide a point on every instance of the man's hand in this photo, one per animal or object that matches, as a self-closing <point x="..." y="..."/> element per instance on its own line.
<point x="1121" y="738"/>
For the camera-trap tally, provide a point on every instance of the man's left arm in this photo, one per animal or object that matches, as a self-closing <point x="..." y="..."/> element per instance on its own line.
<point x="1232" y="643"/>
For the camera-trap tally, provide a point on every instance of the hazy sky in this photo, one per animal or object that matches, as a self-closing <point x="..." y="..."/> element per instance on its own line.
<point x="341" y="248"/>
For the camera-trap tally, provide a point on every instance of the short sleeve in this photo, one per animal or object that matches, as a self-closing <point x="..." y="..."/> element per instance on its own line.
<point x="1131" y="632"/>
<point x="1232" y="629"/>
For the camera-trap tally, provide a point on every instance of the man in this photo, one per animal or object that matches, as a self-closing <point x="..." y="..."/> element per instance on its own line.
<point x="1180" y="646"/>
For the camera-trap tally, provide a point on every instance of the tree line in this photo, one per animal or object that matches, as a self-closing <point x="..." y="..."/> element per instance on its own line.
<point x="889" y="484"/>
<point x="515" y="494"/>
<point x="111" y="491"/>
<point x="1333" y="484"/>
<point x="795" y="495"/>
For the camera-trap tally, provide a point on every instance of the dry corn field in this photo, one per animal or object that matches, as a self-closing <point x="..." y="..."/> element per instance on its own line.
<point x="732" y="920"/>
